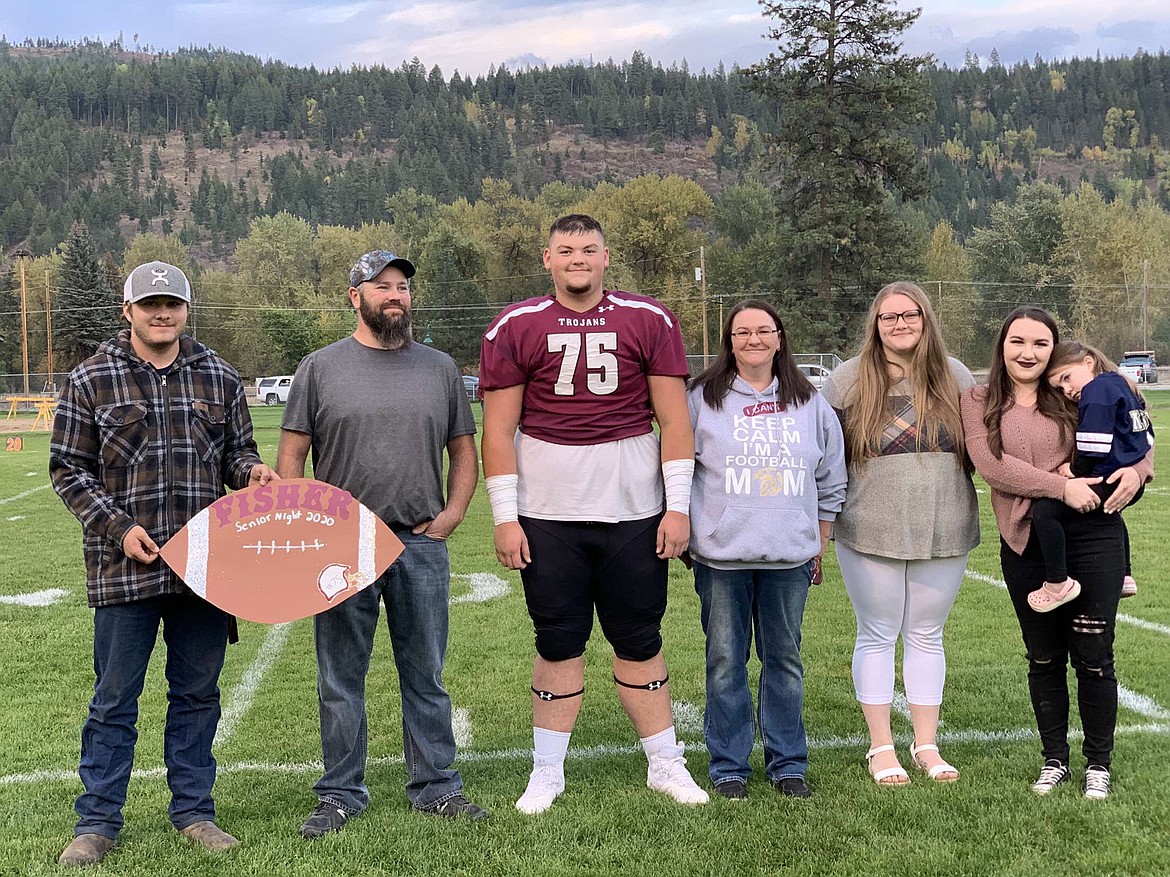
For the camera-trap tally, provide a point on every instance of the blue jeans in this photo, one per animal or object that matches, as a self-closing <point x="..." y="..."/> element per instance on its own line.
<point x="772" y="601"/>
<point x="195" y="633"/>
<point x="416" y="589"/>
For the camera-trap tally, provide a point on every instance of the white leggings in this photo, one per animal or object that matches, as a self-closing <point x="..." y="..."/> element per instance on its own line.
<point x="911" y="597"/>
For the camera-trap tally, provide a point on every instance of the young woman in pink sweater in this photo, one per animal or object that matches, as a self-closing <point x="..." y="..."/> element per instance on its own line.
<point x="1019" y="431"/>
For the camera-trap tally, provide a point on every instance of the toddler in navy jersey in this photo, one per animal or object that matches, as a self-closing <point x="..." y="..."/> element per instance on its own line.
<point x="1113" y="432"/>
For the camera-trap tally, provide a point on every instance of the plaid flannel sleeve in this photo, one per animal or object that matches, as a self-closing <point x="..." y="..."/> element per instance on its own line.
<point x="240" y="453"/>
<point x="74" y="466"/>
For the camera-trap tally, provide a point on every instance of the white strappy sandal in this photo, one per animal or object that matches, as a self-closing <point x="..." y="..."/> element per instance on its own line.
<point x="882" y="775"/>
<point x="933" y="772"/>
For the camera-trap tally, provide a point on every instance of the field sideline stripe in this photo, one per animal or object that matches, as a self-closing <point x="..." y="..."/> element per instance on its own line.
<point x="1140" y="704"/>
<point x="1121" y="616"/>
<point x="1142" y="623"/>
<point x="240" y="700"/>
<point x="9" y="499"/>
<point x="585" y="753"/>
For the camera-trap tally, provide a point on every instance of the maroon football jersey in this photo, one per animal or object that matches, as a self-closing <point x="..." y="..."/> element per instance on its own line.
<point x="584" y="373"/>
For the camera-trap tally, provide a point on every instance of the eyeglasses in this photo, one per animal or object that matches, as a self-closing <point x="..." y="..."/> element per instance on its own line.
<point x="910" y="318"/>
<point x="762" y="334"/>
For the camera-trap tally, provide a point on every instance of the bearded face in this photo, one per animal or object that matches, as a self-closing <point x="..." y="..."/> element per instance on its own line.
<point x="388" y="319"/>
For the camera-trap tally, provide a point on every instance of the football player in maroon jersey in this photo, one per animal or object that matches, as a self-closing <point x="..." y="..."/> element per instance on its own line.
<point x="589" y="504"/>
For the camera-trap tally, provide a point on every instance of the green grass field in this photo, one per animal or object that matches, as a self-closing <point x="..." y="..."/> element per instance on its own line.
<point x="607" y="822"/>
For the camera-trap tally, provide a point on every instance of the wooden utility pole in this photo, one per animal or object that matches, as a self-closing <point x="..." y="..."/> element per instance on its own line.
<point x="49" y="332"/>
<point x="1145" y="304"/>
<point x="23" y="321"/>
<point x="702" y="272"/>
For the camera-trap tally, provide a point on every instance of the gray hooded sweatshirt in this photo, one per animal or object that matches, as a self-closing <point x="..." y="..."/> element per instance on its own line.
<point x="765" y="473"/>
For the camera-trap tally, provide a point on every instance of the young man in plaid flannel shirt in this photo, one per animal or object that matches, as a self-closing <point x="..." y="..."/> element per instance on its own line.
<point x="148" y="432"/>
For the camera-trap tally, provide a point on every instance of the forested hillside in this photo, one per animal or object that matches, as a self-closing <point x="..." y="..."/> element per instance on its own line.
<point x="1048" y="181"/>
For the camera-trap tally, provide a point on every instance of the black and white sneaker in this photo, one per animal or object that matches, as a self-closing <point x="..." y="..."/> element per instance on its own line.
<point x="325" y="819"/>
<point x="1096" y="782"/>
<point x="733" y="789"/>
<point x="792" y="787"/>
<point x="457" y="807"/>
<point x="1051" y="775"/>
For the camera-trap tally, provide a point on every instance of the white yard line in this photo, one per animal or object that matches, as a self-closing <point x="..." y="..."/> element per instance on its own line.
<point x="1123" y="617"/>
<point x="688" y="718"/>
<point x="1143" y="624"/>
<point x="239" y="700"/>
<point x="1140" y="704"/>
<point x="901" y="706"/>
<point x="484" y="586"/>
<point x="583" y="753"/>
<point x="987" y="580"/>
<point x="35" y="598"/>
<point x="20" y="496"/>
<point x="461" y="727"/>
<point x="16" y="518"/>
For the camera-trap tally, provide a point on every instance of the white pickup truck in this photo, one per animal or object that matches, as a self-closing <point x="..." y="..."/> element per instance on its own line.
<point x="1139" y="366"/>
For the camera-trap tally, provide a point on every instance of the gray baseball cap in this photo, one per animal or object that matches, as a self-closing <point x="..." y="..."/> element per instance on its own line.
<point x="371" y="265"/>
<point x="156" y="278"/>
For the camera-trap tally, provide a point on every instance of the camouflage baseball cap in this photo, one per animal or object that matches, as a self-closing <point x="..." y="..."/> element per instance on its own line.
<point x="371" y="265"/>
<point x="156" y="278"/>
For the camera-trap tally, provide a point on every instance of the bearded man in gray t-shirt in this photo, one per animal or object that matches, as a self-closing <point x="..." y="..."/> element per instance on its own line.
<point x="377" y="410"/>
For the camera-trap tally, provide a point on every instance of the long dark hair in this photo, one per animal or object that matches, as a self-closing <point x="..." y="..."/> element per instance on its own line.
<point x="716" y="380"/>
<point x="1000" y="398"/>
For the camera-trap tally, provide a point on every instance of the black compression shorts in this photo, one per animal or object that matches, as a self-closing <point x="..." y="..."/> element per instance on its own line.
<point x="577" y="566"/>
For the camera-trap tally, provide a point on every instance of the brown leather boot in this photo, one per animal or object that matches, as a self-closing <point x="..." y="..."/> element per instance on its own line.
<point x="209" y="836"/>
<point x="85" y="849"/>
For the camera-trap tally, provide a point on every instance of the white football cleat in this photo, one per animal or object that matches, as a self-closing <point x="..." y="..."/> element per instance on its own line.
<point x="545" y="784"/>
<point x="668" y="774"/>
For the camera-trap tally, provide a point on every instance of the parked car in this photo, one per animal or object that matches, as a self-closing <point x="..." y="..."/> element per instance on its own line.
<point x="1139" y="366"/>
<point x="815" y="373"/>
<point x="273" y="390"/>
<point x="471" y="387"/>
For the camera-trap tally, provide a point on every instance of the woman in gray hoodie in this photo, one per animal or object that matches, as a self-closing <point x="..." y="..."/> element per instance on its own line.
<point x="769" y="481"/>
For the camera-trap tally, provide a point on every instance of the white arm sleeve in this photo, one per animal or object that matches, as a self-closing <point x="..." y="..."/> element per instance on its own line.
<point x="677" y="476"/>
<point x="502" y="494"/>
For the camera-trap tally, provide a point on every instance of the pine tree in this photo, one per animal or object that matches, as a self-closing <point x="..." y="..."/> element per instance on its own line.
<point x="190" y="163"/>
<point x="87" y="312"/>
<point x="846" y="95"/>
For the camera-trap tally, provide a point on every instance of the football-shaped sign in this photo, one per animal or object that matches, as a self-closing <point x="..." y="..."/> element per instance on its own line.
<point x="282" y="551"/>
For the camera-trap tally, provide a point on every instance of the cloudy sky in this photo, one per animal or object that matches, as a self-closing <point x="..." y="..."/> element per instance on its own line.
<point x="470" y="35"/>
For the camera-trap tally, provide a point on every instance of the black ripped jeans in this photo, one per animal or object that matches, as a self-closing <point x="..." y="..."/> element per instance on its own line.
<point x="1080" y="631"/>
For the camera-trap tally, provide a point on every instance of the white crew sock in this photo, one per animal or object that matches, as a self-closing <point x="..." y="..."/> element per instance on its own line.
<point x="654" y="744"/>
<point x="549" y="747"/>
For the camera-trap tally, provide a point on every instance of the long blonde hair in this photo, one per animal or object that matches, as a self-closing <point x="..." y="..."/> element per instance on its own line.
<point x="934" y="390"/>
